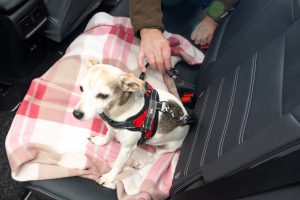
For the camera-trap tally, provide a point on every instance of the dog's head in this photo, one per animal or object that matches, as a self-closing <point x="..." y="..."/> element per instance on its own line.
<point x="102" y="87"/>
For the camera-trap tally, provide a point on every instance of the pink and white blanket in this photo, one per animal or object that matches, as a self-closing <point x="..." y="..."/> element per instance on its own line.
<point x="45" y="141"/>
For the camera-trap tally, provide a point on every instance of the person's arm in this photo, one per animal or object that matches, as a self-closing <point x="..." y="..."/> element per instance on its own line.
<point x="145" y="14"/>
<point x="203" y="33"/>
<point x="146" y="20"/>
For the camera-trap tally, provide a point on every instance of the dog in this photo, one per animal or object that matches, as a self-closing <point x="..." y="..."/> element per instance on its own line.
<point x="117" y="97"/>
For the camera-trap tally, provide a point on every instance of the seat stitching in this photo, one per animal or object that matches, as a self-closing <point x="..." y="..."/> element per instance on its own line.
<point x="277" y="155"/>
<point x="186" y="183"/>
<point x="247" y="26"/>
<point x="212" y="122"/>
<point x="197" y="131"/>
<point x="228" y="116"/>
<point x="249" y="100"/>
<point x="293" y="11"/>
<point x="43" y="191"/>
<point x="283" y="70"/>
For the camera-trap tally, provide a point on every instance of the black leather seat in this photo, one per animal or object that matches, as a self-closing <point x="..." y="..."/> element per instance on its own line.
<point x="70" y="188"/>
<point x="65" y="16"/>
<point x="247" y="104"/>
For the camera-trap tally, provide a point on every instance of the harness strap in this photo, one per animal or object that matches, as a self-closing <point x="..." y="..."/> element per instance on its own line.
<point x="149" y="126"/>
<point x="145" y="121"/>
<point x="143" y="74"/>
<point x="151" y="112"/>
<point x="118" y="125"/>
<point x="164" y="107"/>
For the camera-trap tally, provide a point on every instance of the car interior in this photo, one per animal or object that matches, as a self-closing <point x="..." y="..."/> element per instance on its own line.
<point x="244" y="143"/>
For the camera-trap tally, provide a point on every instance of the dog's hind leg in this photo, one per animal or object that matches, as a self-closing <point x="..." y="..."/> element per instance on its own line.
<point x="167" y="148"/>
<point x="170" y="147"/>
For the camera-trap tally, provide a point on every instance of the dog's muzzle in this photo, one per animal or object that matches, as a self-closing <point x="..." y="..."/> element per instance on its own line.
<point x="78" y="114"/>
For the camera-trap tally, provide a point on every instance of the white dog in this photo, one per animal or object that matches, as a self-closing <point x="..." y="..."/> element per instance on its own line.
<point x="134" y="114"/>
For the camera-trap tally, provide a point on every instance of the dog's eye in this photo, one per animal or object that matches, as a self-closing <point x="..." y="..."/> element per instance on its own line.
<point x="81" y="88"/>
<point x="102" y="96"/>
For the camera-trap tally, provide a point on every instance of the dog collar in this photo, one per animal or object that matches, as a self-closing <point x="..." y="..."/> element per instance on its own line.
<point x="145" y="121"/>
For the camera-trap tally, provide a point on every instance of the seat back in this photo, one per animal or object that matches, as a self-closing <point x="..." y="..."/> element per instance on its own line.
<point x="65" y="16"/>
<point x="247" y="97"/>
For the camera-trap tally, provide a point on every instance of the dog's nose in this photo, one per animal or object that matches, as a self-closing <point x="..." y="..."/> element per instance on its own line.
<point x="78" y="114"/>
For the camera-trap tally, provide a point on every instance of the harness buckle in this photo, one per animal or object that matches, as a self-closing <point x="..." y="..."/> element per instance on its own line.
<point x="166" y="109"/>
<point x="173" y="73"/>
<point x="185" y="119"/>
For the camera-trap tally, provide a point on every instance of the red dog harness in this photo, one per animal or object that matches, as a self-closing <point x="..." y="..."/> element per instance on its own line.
<point x="145" y="121"/>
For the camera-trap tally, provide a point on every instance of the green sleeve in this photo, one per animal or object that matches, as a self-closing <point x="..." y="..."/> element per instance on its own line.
<point x="219" y="7"/>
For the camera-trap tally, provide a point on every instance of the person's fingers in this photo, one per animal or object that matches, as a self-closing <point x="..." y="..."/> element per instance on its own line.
<point x="203" y="40"/>
<point x="159" y="60"/>
<point x="156" y="49"/>
<point x="167" y="57"/>
<point x="141" y="57"/>
<point x="209" y="39"/>
<point x="204" y="32"/>
<point x="198" y="38"/>
<point x="194" y="34"/>
<point x="196" y="31"/>
<point x="151" y="59"/>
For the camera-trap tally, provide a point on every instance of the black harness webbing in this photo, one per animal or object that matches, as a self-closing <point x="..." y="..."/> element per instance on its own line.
<point x="145" y="120"/>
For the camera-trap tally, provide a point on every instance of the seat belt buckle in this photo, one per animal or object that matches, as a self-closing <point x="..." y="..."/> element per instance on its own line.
<point x="203" y="47"/>
<point x="187" y="98"/>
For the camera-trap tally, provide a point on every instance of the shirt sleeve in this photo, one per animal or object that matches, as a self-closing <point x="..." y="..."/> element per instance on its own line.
<point x="145" y="14"/>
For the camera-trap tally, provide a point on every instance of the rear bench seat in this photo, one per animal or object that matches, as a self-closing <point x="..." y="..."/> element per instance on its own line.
<point x="247" y="104"/>
<point x="248" y="99"/>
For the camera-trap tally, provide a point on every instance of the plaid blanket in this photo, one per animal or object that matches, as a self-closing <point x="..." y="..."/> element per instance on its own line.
<point x="45" y="141"/>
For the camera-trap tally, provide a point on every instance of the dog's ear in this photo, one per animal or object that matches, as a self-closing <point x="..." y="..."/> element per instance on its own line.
<point x="130" y="83"/>
<point x="92" y="62"/>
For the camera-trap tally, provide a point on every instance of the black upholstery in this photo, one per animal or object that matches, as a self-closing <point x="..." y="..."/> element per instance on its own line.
<point x="247" y="92"/>
<point x="289" y="193"/>
<point x="122" y="9"/>
<point x="7" y="6"/>
<point x="65" y="16"/>
<point x="74" y="188"/>
<point x="247" y="101"/>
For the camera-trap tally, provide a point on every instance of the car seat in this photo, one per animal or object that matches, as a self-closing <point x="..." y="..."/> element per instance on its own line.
<point x="247" y="104"/>
<point x="65" y="16"/>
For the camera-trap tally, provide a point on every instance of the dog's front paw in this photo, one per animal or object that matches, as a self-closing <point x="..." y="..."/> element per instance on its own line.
<point x="107" y="181"/>
<point x="99" y="140"/>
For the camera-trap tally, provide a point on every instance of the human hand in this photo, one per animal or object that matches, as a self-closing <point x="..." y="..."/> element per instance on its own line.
<point x="155" y="47"/>
<point x="203" y="33"/>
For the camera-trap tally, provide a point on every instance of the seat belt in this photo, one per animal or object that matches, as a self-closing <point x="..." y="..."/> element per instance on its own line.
<point x="273" y="174"/>
<point x="185" y="89"/>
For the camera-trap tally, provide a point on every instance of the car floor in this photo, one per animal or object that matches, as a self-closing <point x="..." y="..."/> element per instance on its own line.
<point x="9" y="188"/>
